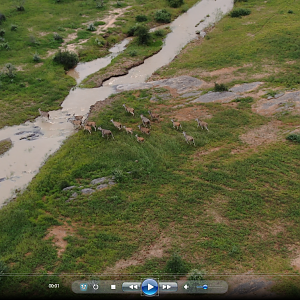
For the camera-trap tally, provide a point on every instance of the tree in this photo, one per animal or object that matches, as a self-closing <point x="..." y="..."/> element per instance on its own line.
<point x="143" y="35"/>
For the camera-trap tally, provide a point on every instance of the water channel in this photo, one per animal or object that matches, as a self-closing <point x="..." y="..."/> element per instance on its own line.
<point x="34" y="141"/>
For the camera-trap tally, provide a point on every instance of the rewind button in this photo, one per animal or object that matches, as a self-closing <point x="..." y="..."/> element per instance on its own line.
<point x="131" y="287"/>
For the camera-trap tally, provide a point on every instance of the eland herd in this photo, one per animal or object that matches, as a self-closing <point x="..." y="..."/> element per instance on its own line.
<point x="145" y="127"/>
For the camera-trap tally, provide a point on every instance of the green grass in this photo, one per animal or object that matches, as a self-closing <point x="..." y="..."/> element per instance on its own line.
<point x="5" y="145"/>
<point x="168" y="189"/>
<point x="230" y="44"/>
<point x="46" y="85"/>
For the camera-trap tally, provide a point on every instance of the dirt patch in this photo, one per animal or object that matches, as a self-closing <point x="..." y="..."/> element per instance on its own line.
<point x="217" y="217"/>
<point x="190" y="113"/>
<point x="154" y="251"/>
<point x="263" y="135"/>
<point x="205" y="152"/>
<point x="59" y="233"/>
<point x="43" y="33"/>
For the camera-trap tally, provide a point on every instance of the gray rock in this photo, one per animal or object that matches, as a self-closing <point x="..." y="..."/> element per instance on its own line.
<point x="191" y="94"/>
<point x="245" y="87"/>
<point x="182" y="84"/>
<point x="270" y="97"/>
<point x="216" y="96"/>
<point x="69" y="188"/>
<point x="2" y="179"/>
<point x="102" y="186"/>
<point x="87" y="191"/>
<point x="202" y="33"/>
<point x="99" y="180"/>
<point x="278" y="95"/>
<point x="74" y="195"/>
<point x="111" y="183"/>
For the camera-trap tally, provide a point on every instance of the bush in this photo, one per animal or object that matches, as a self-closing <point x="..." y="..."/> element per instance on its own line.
<point x="4" y="46"/>
<point x="159" y="32"/>
<point x="10" y="68"/>
<point x="220" y="87"/>
<point x="133" y="53"/>
<point x="36" y="57"/>
<point x="175" y="3"/>
<point x="239" y="12"/>
<point x="141" y="18"/>
<point x="57" y="37"/>
<point x="2" y="32"/>
<point x="294" y="137"/>
<point x="99" y="42"/>
<point x="176" y="265"/>
<point x="143" y="35"/>
<point x="290" y="12"/>
<point x="131" y="30"/>
<point x="236" y="1"/>
<point x="3" y="269"/>
<point x="91" y="27"/>
<point x="118" y="174"/>
<point x="162" y="16"/>
<point x="13" y="27"/>
<point x="67" y="59"/>
<point x="2" y="18"/>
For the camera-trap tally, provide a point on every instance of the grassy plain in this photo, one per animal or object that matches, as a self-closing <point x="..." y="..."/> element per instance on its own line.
<point x="221" y="210"/>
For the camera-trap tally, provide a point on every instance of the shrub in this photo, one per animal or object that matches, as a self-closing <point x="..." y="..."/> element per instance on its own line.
<point x="2" y="32"/>
<point x="10" y="68"/>
<point x="244" y="100"/>
<point x="57" y="37"/>
<point x="97" y="23"/>
<point x="175" y="3"/>
<point x="131" y="30"/>
<point x="141" y="18"/>
<point x="118" y="174"/>
<point x="36" y="57"/>
<point x="143" y="35"/>
<point x="159" y="32"/>
<point x="236" y="1"/>
<point x="196" y="275"/>
<point x="13" y="27"/>
<point x="162" y="16"/>
<point x="220" y="87"/>
<point x="239" y="12"/>
<point x="99" y="42"/>
<point x="91" y="27"/>
<point x="67" y="59"/>
<point x="176" y="265"/>
<point x="2" y="39"/>
<point x="32" y="40"/>
<point x="2" y="18"/>
<point x="133" y="53"/>
<point x="290" y="12"/>
<point x="3" y="269"/>
<point x="4" y="46"/>
<point x="294" y="137"/>
<point x="100" y="4"/>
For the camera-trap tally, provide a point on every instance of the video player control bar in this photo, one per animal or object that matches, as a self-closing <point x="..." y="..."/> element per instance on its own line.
<point x="150" y="287"/>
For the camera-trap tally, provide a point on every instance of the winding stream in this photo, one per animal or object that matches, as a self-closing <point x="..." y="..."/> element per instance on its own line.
<point x="34" y="141"/>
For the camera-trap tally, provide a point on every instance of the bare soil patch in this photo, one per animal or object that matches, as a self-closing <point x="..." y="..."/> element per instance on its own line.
<point x="217" y="216"/>
<point x="205" y="152"/>
<point x="190" y="113"/>
<point x="156" y="250"/>
<point x="59" y="233"/>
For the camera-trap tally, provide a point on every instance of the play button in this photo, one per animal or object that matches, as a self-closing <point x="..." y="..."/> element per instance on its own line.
<point x="149" y="287"/>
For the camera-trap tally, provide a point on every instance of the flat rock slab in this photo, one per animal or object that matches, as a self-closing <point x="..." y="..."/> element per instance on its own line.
<point x="286" y="101"/>
<point x="87" y="191"/>
<point x="182" y="84"/>
<point x="69" y="188"/>
<point x="191" y="94"/>
<point x="99" y="180"/>
<point x="245" y="87"/>
<point x="223" y="97"/>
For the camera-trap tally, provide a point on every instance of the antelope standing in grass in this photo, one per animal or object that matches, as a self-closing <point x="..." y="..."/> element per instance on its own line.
<point x="176" y="124"/>
<point x="105" y="132"/>
<point x="128" y="130"/>
<point x="144" y="129"/>
<point x="139" y="139"/>
<point x="188" y="138"/>
<point x="91" y="124"/>
<point x="145" y="121"/>
<point x="76" y="123"/>
<point x="87" y="128"/>
<point x="202" y="124"/>
<point x="153" y="116"/>
<point x="44" y="114"/>
<point x="117" y="124"/>
<point x="129" y="109"/>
